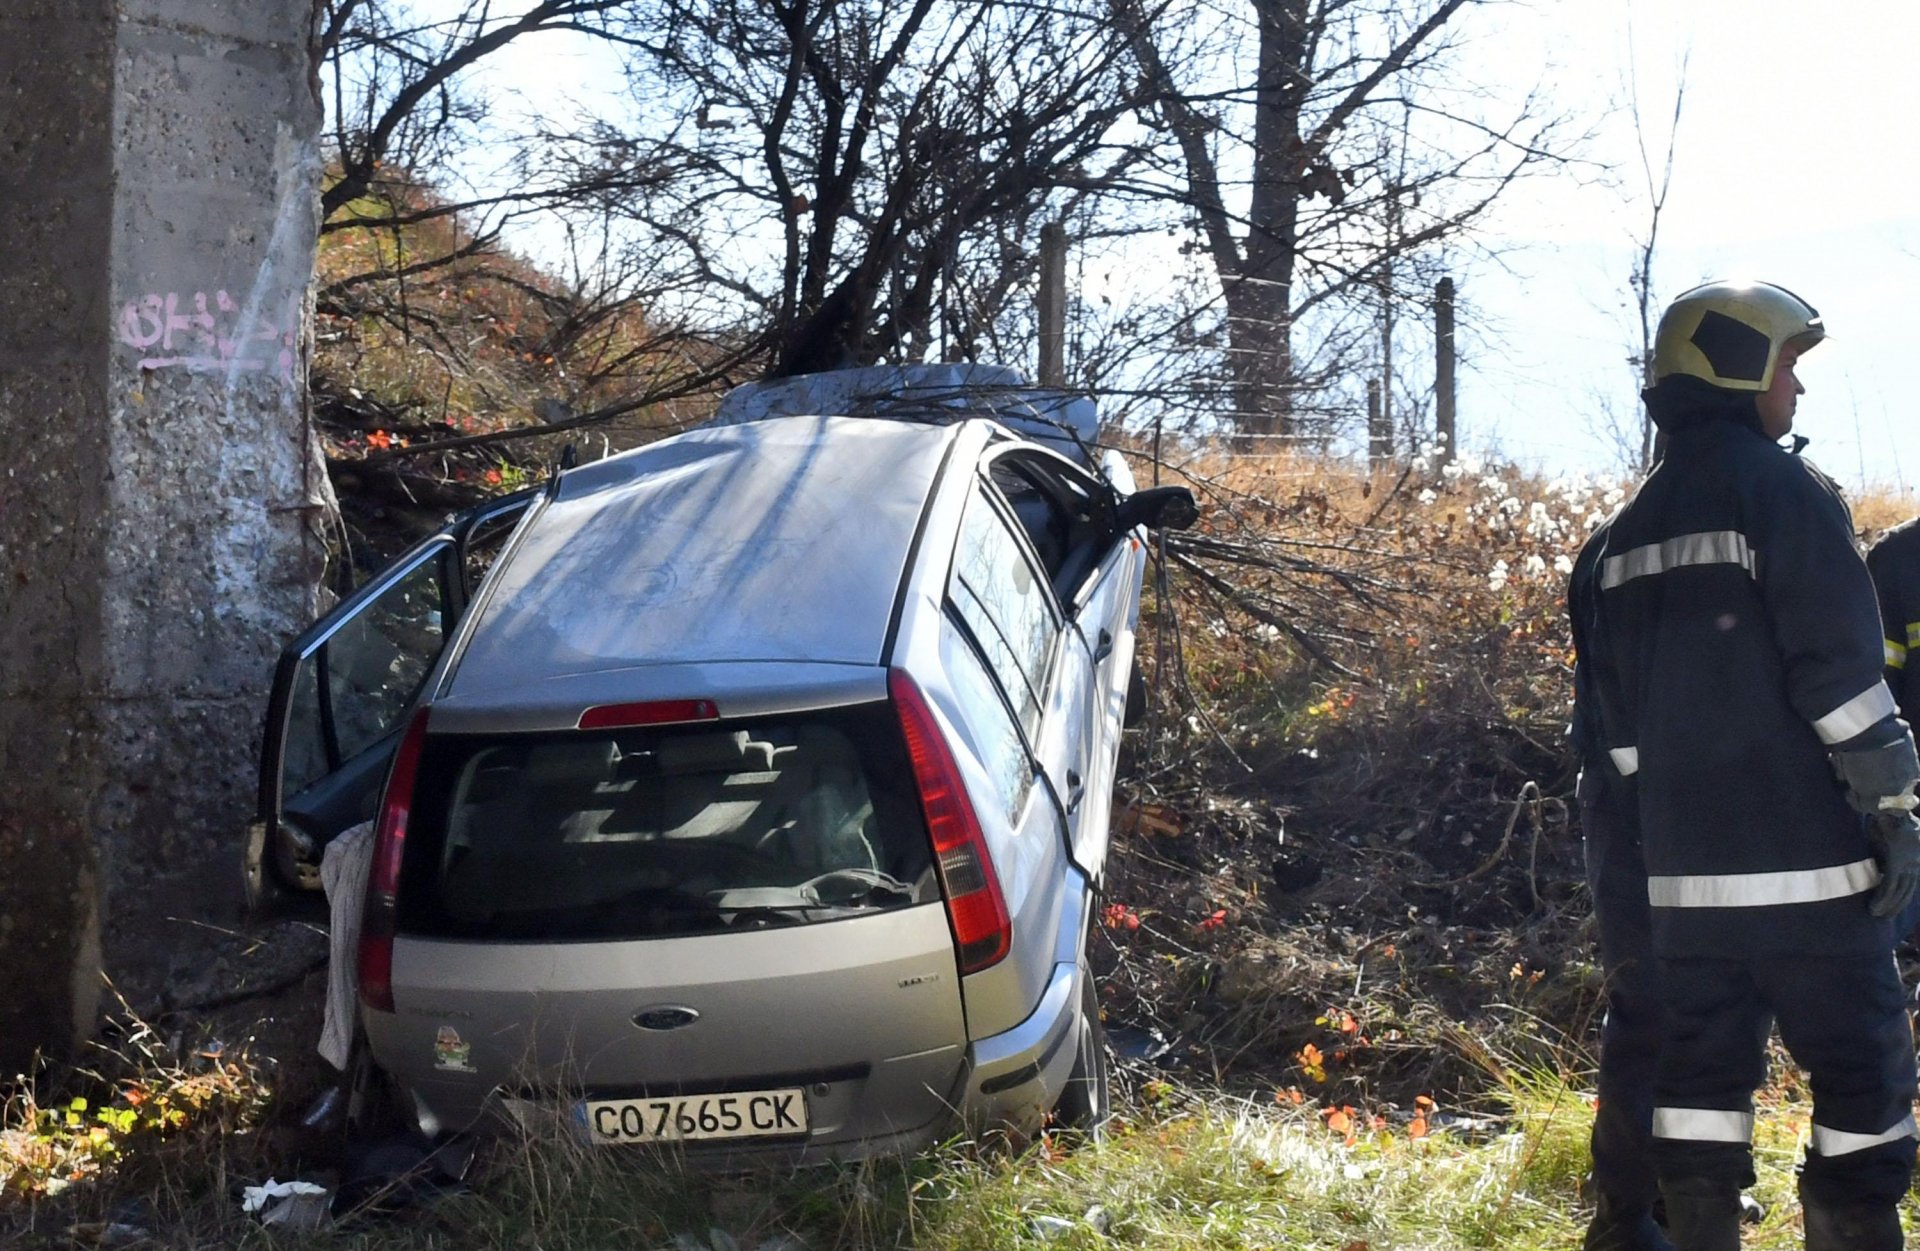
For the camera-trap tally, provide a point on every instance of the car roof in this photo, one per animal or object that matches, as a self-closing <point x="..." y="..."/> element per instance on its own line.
<point x="947" y="391"/>
<point x="777" y="540"/>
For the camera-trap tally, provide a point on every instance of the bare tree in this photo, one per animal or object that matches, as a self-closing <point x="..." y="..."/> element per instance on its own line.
<point x="866" y="178"/>
<point x="428" y="173"/>
<point x="1333" y="162"/>
<point x="397" y="99"/>
<point x="1657" y="186"/>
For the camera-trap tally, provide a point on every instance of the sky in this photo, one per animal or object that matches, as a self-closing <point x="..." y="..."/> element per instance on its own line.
<point x="1793" y="164"/>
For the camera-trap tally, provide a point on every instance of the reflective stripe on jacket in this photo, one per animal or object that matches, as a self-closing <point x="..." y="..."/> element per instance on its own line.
<point x="1741" y="642"/>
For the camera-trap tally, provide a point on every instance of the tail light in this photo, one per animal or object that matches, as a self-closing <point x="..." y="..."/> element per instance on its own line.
<point x="377" y="921"/>
<point x="982" y="932"/>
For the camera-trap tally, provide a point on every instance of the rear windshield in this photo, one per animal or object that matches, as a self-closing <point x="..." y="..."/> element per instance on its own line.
<point x="665" y="830"/>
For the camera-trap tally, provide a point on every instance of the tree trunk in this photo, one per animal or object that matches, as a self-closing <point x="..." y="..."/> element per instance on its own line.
<point x="1259" y="300"/>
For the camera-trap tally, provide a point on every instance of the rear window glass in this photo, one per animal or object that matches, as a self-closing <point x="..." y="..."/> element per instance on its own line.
<point x="663" y="831"/>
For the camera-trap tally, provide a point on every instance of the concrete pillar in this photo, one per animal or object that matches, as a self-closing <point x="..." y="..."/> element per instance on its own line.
<point x="159" y="173"/>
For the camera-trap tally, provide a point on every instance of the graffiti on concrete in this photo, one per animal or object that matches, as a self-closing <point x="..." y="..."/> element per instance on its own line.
<point x="208" y="332"/>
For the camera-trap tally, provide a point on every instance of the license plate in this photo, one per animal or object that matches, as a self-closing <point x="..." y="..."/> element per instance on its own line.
<point x="692" y="1118"/>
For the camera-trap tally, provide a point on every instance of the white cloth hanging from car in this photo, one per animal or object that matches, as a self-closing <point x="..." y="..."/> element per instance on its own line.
<point x="343" y="875"/>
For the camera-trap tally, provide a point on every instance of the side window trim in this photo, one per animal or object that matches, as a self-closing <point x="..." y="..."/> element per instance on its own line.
<point x="360" y="599"/>
<point x="323" y="704"/>
<point x="464" y="529"/>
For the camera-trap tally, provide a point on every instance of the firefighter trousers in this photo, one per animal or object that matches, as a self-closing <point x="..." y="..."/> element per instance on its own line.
<point x="1843" y="1019"/>
<point x="1635" y="1023"/>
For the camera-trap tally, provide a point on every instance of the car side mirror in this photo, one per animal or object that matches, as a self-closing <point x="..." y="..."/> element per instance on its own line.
<point x="1158" y="508"/>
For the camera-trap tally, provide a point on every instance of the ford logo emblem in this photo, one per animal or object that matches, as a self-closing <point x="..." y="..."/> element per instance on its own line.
<point x="672" y="1016"/>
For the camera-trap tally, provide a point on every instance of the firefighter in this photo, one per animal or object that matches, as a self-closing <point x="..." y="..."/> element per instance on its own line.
<point x="1739" y="683"/>
<point x="1895" y="565"/>
<point x="1630" y="1035"/>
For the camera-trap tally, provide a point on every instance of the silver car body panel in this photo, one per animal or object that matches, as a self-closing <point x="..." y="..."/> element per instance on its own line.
<point x="1029" y="852"/>
<point x="1109" y="602"/>
<point x="720" y="544"/>
<point x="864" y="1013"/>
<point x="1016" y="1076"/>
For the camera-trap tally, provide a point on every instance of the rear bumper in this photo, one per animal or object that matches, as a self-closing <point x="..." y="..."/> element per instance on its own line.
<point x="1010" y="1080"/>
<point x="1017" y="1076"/>
<point x="847" y="1112"/>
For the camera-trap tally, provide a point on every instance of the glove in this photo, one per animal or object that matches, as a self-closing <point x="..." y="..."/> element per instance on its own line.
<point x="1896" y="847"/>
<point x="1882" y="777"/>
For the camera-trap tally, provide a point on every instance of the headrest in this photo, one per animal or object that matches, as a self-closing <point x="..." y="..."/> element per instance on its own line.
<point x="713" y="753"/>
<point x="591" y="762"/>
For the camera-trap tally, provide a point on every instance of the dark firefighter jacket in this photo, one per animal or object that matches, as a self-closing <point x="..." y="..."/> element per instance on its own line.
<point x="1587" y="733"/>
<point x="1601" y="784"/>
<point x="1895" y="565"/>
<point x="1741" y="644"/>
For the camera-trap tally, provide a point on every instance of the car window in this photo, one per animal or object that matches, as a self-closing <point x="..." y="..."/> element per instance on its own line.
<point x="1064" y="518"/>
<point x="667" y="830"/>
<point x="1005" y="605"/>
<point x="376" y="661"/>
<point x="993" y="732"/>
<point x="304" y="751"/>
<point x="1044" y="523"/>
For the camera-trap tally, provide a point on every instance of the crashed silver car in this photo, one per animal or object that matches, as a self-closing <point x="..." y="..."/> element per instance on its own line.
<point x="755" y="798"/>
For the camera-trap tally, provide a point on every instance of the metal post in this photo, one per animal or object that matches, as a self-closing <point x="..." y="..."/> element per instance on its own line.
<point x="1379" y="435"/>
<point x="1386" y="332"/>
<point x="1443" y="369"/>
<point x="1053" y="305"/>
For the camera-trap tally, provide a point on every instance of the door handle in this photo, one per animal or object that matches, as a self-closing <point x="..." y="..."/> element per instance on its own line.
<point x="1103" y="648"/>
<point x="1076" y="789"/>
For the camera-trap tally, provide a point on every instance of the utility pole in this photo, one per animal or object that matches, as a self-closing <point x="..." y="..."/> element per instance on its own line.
<point x="1379" y="433"/>
<point x="1386" y="333"/>
<point x="1443" y="369"/>
<point x="1053" y="305"/>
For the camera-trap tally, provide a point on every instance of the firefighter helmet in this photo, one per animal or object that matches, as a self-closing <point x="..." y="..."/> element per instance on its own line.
<point x="1729" y="334"/>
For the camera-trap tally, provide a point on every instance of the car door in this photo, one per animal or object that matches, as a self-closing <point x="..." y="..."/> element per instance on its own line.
<point x="1064" y="742"/>
<point x="342" y="688"/>
<point x="1094" y="573"/>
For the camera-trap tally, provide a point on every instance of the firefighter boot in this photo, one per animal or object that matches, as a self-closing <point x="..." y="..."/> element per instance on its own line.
<point x="1703" y="1214"/>
<point x="1852" y="1226"/>
<point x="1624" y="1227"/>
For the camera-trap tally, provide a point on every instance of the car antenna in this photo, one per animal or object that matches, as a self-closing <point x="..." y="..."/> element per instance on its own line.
<point x="568" y="455"/>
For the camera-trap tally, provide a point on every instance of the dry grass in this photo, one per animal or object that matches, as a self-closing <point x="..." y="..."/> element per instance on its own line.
<point x="1359" y="762"/>
<point x="1179" y="1170"/>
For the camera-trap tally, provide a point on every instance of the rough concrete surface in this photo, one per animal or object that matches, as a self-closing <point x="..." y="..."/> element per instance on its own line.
<point x="155" y="545"/>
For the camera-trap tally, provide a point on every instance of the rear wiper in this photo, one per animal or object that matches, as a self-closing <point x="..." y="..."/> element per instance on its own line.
<point x="870" y="888"/>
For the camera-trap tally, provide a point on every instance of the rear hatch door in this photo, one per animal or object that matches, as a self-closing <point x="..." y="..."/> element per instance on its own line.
<point x="636" y="923"/>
